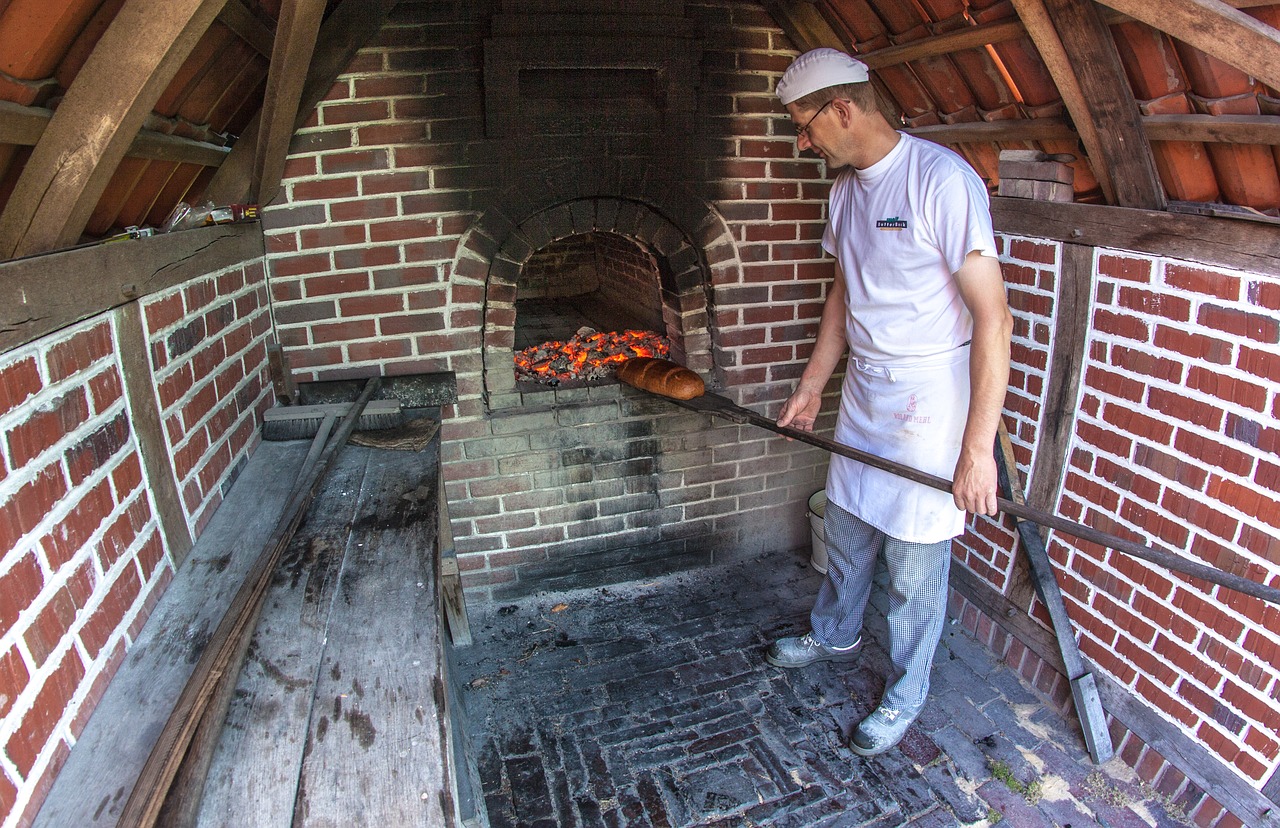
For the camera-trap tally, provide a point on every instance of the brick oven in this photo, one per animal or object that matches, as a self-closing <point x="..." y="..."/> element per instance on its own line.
<point x="552" y="168"/>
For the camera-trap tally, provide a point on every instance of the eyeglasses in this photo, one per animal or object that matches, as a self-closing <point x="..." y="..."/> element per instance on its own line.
<point x="803" y="132"/>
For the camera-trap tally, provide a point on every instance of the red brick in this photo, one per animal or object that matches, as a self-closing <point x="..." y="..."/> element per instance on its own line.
<point x="1209" y="282"/>
<point x="326" y="188"/>
<point x="1122" y="325"/>
<point x="1137" y="424"/>
<point x="385" y="231"/>
<point x="1112" y="384"/>
<point x="29" y="505"/>
<point x="1265" y="294"/>
<point x="1141" y="362"/>
<point x="1255" y="326"/>
<point x="349" y="113"/>
<point x="105" y="389"/>
<point x="344" y="331"/>
<point x="300" y="265"/>
<point x="1181" y="408"/>
<point x="375" y="351"/>
<point x="50" y="625"/>
<point x="74" y="530"/>
<point x="1157" y="304"/>
<point x="1032" y="251"/>
<point x="1265" y="364"/>
<point x="96" y="449"/>
<point x="337" y="283"/>
<point x="1200" y="514"/>
<point x="162" y="313"/>
<point x="1213" y="452"/>
<point x="47" y="425"/>
<point x="351" y="258"/>
<point x="332" y="236"/>
<point x="73" y="355"/>
<point x="1193" y="345"/>
<point x="39" y="721"/>
<point x="1126" y="268"/>
<point x="362" y="160"/>
<point x="364" y="209"/>
<point x="1227" y="388"/>
<point x="13" y="679"/>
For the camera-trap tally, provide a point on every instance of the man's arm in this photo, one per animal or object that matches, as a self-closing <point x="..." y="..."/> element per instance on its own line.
<point x="801" y="410"/>
<point x="982" y="290"/>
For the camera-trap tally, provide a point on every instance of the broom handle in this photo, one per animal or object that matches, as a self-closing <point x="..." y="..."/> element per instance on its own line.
<point x="1168" y="560"/>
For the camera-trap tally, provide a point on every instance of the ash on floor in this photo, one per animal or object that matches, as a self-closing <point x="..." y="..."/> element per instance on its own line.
<point x="650" y="704"/>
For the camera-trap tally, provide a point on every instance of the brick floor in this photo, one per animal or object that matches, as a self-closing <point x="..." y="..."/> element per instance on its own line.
<point x="650" y="704"/>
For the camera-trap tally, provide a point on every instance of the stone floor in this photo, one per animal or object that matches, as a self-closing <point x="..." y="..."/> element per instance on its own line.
<point x="650" y="704"/>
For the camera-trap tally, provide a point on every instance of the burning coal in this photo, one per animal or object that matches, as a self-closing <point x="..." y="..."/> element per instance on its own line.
<point x="586" y="356"/>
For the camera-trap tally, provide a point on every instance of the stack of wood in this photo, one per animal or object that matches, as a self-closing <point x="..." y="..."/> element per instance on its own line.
<point x="1037" y="175"/>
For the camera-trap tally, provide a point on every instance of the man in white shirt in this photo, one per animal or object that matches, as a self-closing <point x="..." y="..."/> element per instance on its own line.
<point x="919" y="302"/>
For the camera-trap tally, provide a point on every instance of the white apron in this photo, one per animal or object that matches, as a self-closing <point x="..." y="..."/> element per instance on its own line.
<point x="913" y="414"/>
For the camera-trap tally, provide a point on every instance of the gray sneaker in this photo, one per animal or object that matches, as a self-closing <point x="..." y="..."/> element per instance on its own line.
<point x="883" y="729"/>
<point x="798" y="652"/>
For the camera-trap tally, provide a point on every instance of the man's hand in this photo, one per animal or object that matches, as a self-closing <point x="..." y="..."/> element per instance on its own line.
<point x="974" y="485"/>
<point x="801" y="410"/>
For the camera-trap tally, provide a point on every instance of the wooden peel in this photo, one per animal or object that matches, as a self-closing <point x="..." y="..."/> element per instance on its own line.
<point x="721" y="407"/>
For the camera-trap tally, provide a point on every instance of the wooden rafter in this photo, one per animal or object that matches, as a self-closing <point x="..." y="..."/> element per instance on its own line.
<point x="23" y="126"/>
<point x="237" y="17"/>
<point x="805" y="26"/>
<point x="1013" y="129"/>
<point x="97" y="121"/>
<point x="1215" y="28"/>
<point x="1218" y="129"/>
<point x="972" y="37"/>
<point x="295" y="41"/>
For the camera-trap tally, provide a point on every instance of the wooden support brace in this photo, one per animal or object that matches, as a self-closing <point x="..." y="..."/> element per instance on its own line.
<point x="1084" y="692"/>
<point x="455" y="608"/>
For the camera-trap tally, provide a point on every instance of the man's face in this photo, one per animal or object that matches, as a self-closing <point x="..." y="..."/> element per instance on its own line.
<point x="817" y="129"/>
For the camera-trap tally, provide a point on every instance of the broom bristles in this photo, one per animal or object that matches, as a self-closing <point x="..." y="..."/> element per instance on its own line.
<point x="301" y="422"/>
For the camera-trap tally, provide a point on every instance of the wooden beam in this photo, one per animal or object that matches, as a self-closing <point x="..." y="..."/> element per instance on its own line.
<point x="1013" y="129"/>
<point x="104" y="108"/>
<point x="972" y="37"/>
<point x="1040" y="27"/>
<point x="347" y="28"/>
<point x="1220" y="242"/>
<point x="1218" y="129"/>
<point x="43" y="294"/>
<point x="1109" y="103"/>
<point x="290" y="58"/>
<point x="237" y="17"/>
<point x="23" y="126"/>
<point x="804" y="25"/>
<point x="1216" y="29"/>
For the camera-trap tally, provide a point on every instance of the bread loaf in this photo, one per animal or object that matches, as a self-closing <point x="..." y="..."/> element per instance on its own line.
<point x="661" y="376"/>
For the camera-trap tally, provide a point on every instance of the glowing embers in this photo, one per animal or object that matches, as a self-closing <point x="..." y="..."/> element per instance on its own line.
<point x="587" y="356"/>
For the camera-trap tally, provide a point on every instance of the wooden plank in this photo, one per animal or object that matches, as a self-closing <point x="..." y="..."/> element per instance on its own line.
<point x="1012" y="129"/>
<point x="231" y="638"/>
<point x="344" y="32"/>
<point x="247" y="26"/>
<point x="43" y="294"/>
<point x="1218" y="242"/>
<point x="970" y="37"/>
<point x="92" y="786"/>
<point x="455" y="607"/>
<point x="295" y="41"/>
<point x="1216" y="29"/>
<point x="1108" y="101"/>
<point x="144" y="416"/>
<point x="259" y="756"/>
<point x="1218" y="129"/>
<point x="104" y="108"/>
<point x="377" y="753"/>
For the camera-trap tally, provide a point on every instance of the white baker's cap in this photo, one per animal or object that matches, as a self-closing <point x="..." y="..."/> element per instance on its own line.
<point x="818" y="69"/>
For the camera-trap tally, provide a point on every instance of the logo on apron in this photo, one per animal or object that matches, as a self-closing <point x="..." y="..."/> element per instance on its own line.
<point x="909" y="414"/>
<point x="893" y="223"/>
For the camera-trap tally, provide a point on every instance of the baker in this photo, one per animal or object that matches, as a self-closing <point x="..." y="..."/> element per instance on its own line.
<point x="919" y="303"/>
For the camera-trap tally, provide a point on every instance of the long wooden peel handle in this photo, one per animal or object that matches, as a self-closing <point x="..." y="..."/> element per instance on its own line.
<point x="1168" y="560"/>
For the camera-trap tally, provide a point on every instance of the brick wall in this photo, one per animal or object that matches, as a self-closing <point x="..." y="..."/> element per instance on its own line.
<point x="207" y="342"/>
<point x="83" y="558"/>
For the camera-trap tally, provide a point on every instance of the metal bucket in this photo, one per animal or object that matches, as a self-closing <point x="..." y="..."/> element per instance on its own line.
<point x="817" y="531"/>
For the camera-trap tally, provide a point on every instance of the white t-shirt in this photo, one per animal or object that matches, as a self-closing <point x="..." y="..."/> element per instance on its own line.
<point x="900" y="228"/>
